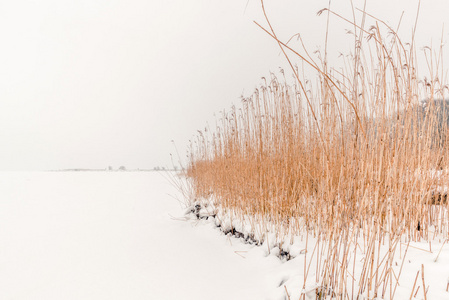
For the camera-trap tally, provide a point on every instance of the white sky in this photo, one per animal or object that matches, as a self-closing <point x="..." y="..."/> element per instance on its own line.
<point x="92" y="83"/>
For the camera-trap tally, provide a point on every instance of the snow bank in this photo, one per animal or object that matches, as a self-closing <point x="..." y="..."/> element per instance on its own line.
<point x="297" y="255"/>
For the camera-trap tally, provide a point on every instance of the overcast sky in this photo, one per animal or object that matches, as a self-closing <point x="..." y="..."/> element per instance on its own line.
<point x="93" y="83"/>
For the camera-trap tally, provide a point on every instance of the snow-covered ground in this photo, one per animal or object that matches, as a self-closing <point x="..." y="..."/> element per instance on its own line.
<point x="116" y="235"/>
<point x="123" y="235"/>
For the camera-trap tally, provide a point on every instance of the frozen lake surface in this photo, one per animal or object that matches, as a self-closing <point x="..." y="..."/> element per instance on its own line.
<point x="123" y="235"/>
<point x="111" y="235"/>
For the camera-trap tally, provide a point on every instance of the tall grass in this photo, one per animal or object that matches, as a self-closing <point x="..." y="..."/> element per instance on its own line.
<point x="353" y="160"/>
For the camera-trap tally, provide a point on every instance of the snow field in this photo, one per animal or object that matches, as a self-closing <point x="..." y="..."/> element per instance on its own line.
<point x="100" y="235"/>
<point x="123" y="235"/>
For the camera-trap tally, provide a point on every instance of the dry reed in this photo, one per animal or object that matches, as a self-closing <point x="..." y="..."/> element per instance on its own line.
<point x="354" y="161"/>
